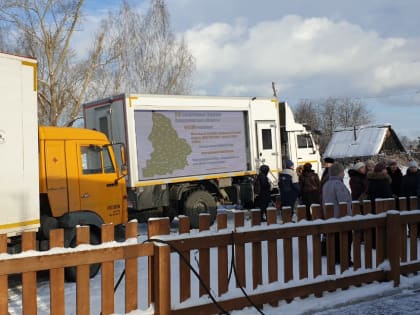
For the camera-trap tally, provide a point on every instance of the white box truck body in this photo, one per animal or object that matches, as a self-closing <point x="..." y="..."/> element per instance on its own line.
<point x="19" y="185"/>
<point x="187" y="152"/>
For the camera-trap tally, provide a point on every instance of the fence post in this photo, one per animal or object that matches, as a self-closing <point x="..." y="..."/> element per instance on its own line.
<point x="57" y="301"/>
<point x="380" y="234"/>
<point x="184" y="270"/>
<point x="256" y="252"/>
<point x="356" y="238"/>
<point x="272" y="252"/>
<point x="344" y="241"/>
<point x="403" y="244"/>
<point x="204" y="255"/>
<point x="287" y="247"/>
<point x="413" y="203"/>
<point x="155" y="227"/>
<point x="82" y="277"/>
<point x="222" y="257"/>
<point x="162" y="279"/>
<point x="329" y="213"/>
<point x="131" y="272"/>
<point x="239" y="218"/>
<point x="393" y="231"/>
<point x="316" y="245"/>
<point x="302" y="245"/>
<point x="367" y="235"/>
<point x="108" y="273"/>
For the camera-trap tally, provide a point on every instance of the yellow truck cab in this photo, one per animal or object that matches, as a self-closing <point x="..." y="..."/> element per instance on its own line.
<point x="53" y="177"/>
<point x="79" y="179"/>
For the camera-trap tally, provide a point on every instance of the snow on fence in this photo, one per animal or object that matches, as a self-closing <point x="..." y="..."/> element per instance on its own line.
<point x="274" y="262"/>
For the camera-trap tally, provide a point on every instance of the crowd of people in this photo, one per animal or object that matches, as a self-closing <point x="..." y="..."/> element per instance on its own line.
<point x="367" y="181"/>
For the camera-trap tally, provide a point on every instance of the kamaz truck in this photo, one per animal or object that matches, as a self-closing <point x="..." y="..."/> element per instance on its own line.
<point x="186" y="154"/>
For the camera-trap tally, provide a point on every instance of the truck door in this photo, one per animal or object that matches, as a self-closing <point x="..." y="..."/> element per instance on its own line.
<point x="267" y="144"/>
<point x="99" y="189"/>
<point x="56" y="176"/>
<point x="306" y="150"/>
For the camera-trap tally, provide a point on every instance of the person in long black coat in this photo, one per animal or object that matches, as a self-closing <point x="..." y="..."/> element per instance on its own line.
<point x="264" y="193"/>
<point x="396" y="176"/>
<point x="310" y="188"/>
<point x="410" y="180"/>
<point x="379" y="184"/>
<point x="358" y="181"/>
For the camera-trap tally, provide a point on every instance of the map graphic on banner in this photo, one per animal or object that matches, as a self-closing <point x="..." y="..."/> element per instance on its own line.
<point x="169" y="151"/>
<point x="189" y="143"/>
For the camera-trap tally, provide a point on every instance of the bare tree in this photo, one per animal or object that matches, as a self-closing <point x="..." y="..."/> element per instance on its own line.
<point x="331" y="114"/>
<point x="352" y="113"/>
<point x="44" y="29"/>
<point x="146" y="56"/>
<point x="307" y="113"/>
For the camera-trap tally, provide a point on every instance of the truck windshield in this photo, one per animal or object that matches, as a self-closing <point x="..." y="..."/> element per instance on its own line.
<point x="304" y="141"/>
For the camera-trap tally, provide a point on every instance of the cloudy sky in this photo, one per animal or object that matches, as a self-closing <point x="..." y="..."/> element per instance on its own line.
<point x="367" y="50"/>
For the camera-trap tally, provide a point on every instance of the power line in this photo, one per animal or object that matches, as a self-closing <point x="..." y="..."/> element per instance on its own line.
<point x="366" y="97"/>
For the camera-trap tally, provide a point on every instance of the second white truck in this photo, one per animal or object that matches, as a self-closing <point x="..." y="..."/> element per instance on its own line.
<point x="188" y="153"/>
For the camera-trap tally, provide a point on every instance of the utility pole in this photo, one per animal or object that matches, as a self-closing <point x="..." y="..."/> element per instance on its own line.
<point x="273" y="86"/>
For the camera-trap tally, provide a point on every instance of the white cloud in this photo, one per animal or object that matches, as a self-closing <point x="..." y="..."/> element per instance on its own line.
<point x="330" y="57"/>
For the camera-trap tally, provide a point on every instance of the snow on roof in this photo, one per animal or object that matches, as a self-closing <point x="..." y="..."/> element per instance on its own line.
<point x="369" y="141"/>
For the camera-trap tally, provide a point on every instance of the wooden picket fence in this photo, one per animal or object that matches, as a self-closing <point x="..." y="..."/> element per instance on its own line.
<point x="268" y="277"/>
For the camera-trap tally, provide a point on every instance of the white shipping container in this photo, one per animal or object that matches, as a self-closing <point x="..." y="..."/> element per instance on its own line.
<point x="19" y="185"/>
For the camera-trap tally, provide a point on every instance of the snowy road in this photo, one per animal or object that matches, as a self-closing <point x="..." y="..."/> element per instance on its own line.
<point x="407" y="302"/>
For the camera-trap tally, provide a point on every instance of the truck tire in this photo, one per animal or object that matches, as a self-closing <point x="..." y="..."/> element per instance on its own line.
<point x="197" y="202"/>
<point x="71" y="272"/>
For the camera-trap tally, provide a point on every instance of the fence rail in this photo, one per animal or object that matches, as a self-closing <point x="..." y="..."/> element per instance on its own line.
<point x="273" y="262"/>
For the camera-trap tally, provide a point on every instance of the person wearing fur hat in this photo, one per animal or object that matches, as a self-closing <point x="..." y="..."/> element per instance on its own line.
<point x="358" y="181"/>
<point x="396" y="176"/>
<point x="310" y="188"/>
<point x="328" y="162"/>
<point x="410" y="180"/>
<point x="379" y="184"/>
<point x="289" y="185"/>
<point x="370" y="165"/>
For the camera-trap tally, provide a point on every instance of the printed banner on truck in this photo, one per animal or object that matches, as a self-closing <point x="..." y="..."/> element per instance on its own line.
<point x="189" y="143"/>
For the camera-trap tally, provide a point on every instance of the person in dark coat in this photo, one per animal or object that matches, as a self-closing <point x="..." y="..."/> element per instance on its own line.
<point x="264" y="191"/>
<point x="396" y="176"/>
<point x="310" y="188"/>
<point x="410" y="180"/>
<point x="379" y="184"/>
<point x="289" y="185"/>
<point x="328" y="162"/>
<point x="358" y="181"/>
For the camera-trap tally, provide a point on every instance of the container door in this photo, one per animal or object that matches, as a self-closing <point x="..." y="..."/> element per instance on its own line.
<point x="267" y="144"/>
<point x="99" y="190"/>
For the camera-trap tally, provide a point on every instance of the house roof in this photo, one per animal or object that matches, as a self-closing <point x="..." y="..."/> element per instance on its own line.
<point x="361" y="141"/>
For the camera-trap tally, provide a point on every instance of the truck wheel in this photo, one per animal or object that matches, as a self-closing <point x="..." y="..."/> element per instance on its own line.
<point x="197" y="202"/>
<point x="71" y="272"/>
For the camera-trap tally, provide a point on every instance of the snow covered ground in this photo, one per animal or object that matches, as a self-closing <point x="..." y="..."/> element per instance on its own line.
<point x="345" y="301"/>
